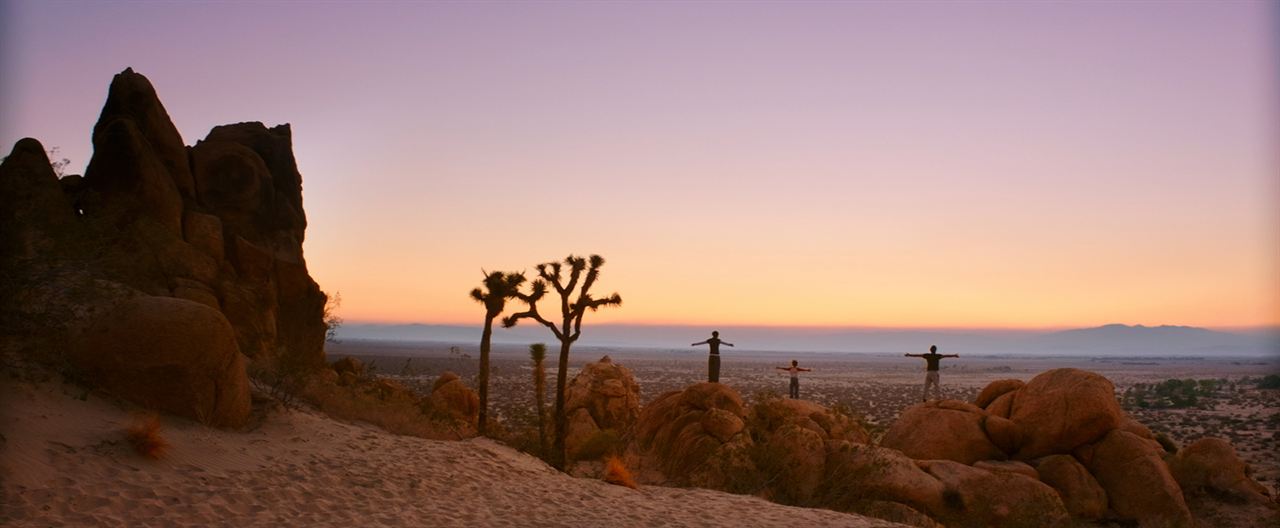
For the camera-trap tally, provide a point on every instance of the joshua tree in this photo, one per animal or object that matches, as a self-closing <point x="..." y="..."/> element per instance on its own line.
<point x="538" y="353"/>
<point x="570" y="328"/>
<point x="499" y="287"/>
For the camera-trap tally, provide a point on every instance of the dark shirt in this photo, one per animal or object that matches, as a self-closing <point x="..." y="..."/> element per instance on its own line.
<point x="932" y="359"/>
<point x="715" y="345"/>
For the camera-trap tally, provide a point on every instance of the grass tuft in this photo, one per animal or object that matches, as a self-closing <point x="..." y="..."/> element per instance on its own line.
<point x="144" y="436"/>
<point x="616" y="472"/>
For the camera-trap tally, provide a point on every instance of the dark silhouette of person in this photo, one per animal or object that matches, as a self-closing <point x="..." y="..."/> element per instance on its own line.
<point x="932" y="360"/>
<point x="795" y="371"/>
<point x="713" y="362"/>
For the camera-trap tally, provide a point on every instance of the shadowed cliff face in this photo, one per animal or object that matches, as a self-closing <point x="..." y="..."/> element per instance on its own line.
<point x="220" y="224"/>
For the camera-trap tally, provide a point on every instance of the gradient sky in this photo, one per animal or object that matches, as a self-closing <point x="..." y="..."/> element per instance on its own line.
<point x="863" y="164"/>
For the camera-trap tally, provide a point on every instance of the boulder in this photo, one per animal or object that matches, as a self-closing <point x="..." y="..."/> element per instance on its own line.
<point x="451" y="398"/>
<point x="33" y="209"/>
<point x="578" y="432"/>
<point x="1080" y="492"/>
<point x="995" y="389"/>
<point x="1138" y="484"/>
<point x="976" y="497"/>
<point x="133" y="98"/>
<point x="792" y="437"/>
<point x="390" y="390"/>
<point x="773" y="413"/>
<point x="203" y="232"/>
<point x="893" y="512"/>
<point x="131" y="179"/>
<point x="195" y="291"/>
<point x="857" y="473"/>
<point x="1062" y="409"/>
<point x="1002" y="405"/>
<point x="445" y="378"/>
<point x="167" y="354"/>
<point x="671" y="444"/>
<point x="945" y="430"/>
<point x="1211" y="465"/>
<point x="722" y="424"/>
<point x="1008" y="466"/>
<point x="608" y="392"/>
<point x="356" y="367"/>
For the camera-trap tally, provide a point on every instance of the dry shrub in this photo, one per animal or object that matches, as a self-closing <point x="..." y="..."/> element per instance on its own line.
<point x="616" y="472"/>
<point x="144" y="436"/>
<point x="400" y="415"/>
<point x="600" y="444"/>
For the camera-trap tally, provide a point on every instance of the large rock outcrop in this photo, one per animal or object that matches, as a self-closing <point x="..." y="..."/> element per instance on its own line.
<point x="220" y="224"/>
<point x="794" y="439"/>
<point x="603" y="396"/>
<point x="695" y="437"/>
<point x="1099" y="462"/>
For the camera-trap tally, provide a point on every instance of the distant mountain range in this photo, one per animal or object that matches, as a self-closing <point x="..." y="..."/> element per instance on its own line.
<point x="1110" y="340"/>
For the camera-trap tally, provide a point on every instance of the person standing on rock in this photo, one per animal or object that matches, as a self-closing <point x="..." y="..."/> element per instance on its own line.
<point x="932" y="359"/>
<point x="795" y="371"/>
<point x="713" y="362"/>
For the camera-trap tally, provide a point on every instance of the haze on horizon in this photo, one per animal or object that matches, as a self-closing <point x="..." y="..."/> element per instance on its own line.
<point x="1048" y="165"/>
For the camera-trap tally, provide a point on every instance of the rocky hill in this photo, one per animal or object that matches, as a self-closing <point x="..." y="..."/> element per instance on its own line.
<point x="163" y="268"/>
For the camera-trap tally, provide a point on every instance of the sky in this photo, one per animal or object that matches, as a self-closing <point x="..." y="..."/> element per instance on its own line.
<point x="919" y="165"/>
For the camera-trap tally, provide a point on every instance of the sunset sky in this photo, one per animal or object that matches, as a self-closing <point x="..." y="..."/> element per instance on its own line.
<point x="1013" y="165"/>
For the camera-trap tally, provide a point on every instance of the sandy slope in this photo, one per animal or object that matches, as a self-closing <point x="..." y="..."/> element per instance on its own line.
<point x="64" y="462"/>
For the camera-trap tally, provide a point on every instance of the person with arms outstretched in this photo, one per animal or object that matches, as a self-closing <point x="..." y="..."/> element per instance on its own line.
<point x="932" y="359"/>
<point x="795" y="371"/>
<point x="713" y="362"/>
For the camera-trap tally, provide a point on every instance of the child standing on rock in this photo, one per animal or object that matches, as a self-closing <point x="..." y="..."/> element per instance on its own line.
<point x="795" y="371"/>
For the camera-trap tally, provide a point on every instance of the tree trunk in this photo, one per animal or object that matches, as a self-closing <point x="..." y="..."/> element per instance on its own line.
<point x="482" y="421"/>
<point x="558" y="456"/>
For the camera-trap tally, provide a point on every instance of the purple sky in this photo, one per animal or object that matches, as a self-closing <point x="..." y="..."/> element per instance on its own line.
<point x="899" y="164"/>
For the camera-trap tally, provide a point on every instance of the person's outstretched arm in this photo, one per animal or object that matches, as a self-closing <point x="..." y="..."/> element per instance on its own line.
<point x="805" y="370"/>
<point x="699" y="343"/>
<point x="952" y="355"/>
<point x="783" y="368"/>
<point x="726" y="343"/>
<point x="913" y="355"/>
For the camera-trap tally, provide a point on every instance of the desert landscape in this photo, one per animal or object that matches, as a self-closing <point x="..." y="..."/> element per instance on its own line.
<point x="879" y="387"/>
<point x="1070" y="206"/>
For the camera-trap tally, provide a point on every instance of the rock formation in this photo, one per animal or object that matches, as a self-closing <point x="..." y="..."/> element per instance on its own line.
<point x="219" y="224"/>
<point x="1062" y="409"/>
<point x="952" y="463"/>
<point x="603" y="396"/>
<point x="794" y="439"/>
<point x="168" y="354"/>
<point x="695" y="437"/>
<point x="946" y="430"/>
<point x="452" y="399"/>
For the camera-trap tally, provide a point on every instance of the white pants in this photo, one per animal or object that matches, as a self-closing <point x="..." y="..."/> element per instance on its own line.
<point x="931" y="380"/>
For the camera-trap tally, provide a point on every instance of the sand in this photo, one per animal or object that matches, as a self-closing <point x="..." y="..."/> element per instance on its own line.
<point x="64" y="462"/>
